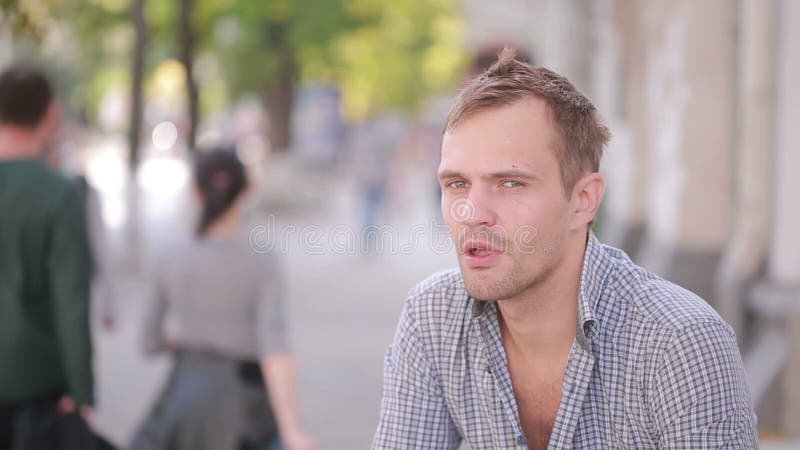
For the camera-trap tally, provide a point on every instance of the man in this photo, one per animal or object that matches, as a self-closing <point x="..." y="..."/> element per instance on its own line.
<point x="45" y="265"/>
<point x="546" y="338"/>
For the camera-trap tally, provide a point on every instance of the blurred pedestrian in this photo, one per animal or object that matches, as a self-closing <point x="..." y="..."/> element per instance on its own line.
<point x="233" y="383"/>
<point x="45" y="267"/>
<point x="372" y="151"/>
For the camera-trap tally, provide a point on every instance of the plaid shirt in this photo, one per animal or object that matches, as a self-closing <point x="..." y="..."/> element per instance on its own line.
<point x="652" y="366"/>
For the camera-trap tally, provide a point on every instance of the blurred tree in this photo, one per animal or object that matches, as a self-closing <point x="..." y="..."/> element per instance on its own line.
<point x="186" y="40"/>
<point x="93" y="65"/>
<point x="405" y="51"/>
<point x="137" y="80"/>
<point x="25" y="19"/>
<point x="262" y="47"/>
<point x="381" y="54"/>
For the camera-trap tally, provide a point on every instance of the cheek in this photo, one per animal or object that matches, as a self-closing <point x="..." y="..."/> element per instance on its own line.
<point x="446" y="202"/>
<point x="537" y="207"/>
<point x="521" y="211"/>
<point x="457" y="209"/>
<point x="528" y="221"/>
<point x="452" y="224"/>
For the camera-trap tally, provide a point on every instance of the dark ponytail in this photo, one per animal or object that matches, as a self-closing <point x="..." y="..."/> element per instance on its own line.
<point x="220" y="177"/>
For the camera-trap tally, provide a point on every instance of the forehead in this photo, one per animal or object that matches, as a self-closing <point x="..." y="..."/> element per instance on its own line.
<point x="521" y="134"/>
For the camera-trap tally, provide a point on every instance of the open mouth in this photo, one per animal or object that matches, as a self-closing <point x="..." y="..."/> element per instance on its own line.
<point x="478" y="251"/>
<point x="479" y="248"/>
<point x="480" y="254"/>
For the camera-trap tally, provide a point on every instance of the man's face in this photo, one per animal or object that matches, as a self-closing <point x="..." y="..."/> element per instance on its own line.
<point x="503" y="200"/>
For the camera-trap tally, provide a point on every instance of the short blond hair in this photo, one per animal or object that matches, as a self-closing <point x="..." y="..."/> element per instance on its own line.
<point x="581" y="132"/>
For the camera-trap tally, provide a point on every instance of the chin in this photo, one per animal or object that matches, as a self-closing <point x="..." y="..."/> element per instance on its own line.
<point x="486" y="286"/>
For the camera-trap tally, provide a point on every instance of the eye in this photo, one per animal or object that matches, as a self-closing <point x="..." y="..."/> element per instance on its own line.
<point x="511" y="184"/>
<point x="456" y="184"/>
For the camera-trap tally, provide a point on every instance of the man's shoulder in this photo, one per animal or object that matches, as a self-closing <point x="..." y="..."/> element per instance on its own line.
<point x="441" y="295"/>
<point x="439" y="282"/>
<point x="65" y="191"/>
<point x="437" y="311"/>
<point x="40" y="175"/>
<point x="44" y="192"/>
<point x="673" y="350"/>
<point x="659" y="302"/>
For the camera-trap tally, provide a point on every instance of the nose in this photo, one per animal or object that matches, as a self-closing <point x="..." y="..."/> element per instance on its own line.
<point x="475" y="210"/>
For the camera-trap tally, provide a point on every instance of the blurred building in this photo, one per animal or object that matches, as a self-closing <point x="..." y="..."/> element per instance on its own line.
<point x="703" y="103"/>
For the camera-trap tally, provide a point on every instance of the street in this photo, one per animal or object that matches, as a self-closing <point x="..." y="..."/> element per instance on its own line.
<point x="343" y="309"/>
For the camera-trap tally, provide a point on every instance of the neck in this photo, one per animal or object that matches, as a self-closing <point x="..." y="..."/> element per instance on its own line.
<point x="541" y="321"/>
<point x="228" y="224"/>
<point x="19" y="143"/>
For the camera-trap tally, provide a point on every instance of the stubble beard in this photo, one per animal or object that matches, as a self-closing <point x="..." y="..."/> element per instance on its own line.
<point x="495" y="283"/>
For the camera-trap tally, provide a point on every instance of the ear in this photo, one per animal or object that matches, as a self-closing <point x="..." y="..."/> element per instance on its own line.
<point x="247" y="191"/>
<point x="586" y="197"/>
<point x="197" y="195"/>
<point x="50" y="124"/>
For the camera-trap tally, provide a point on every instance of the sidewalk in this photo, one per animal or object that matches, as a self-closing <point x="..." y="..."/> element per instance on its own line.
<point x="343" y="310"/>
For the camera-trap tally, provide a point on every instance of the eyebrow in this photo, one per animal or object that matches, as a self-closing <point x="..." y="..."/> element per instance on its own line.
<point x="512" y="173"/>
<point x="449" y="174"/>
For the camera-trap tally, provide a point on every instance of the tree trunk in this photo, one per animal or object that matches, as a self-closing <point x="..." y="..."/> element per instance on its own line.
<point x="137" y="77"/>
<point x="279" y="94"/>
<point x="186" y="44"/>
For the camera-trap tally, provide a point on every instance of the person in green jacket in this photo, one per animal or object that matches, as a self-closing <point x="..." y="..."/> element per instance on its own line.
<point x="45" y="263"/>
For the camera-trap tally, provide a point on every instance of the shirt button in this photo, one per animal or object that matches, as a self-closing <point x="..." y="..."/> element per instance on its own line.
<point x="521" y="440"/>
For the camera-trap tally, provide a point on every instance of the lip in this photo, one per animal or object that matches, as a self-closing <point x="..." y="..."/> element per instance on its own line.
<point x="489" y="256"/>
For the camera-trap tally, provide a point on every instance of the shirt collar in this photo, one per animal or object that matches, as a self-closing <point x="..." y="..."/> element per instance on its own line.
<point x="478" y="306"/>
<point x="596" y="266"/>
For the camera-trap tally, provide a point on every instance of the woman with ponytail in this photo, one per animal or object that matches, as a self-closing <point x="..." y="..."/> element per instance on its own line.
<point x="233" y="382"/>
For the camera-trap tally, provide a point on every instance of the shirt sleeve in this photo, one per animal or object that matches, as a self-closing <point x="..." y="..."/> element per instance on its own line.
<point x="70" y="267"/>
<point x="700" y="397"/>
<point x="413" y="409"/>
<point x="270" y="311"/>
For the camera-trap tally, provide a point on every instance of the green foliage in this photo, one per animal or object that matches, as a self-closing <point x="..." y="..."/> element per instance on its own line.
<point x="25" y="19"/>
<point x="382" y="54"/>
